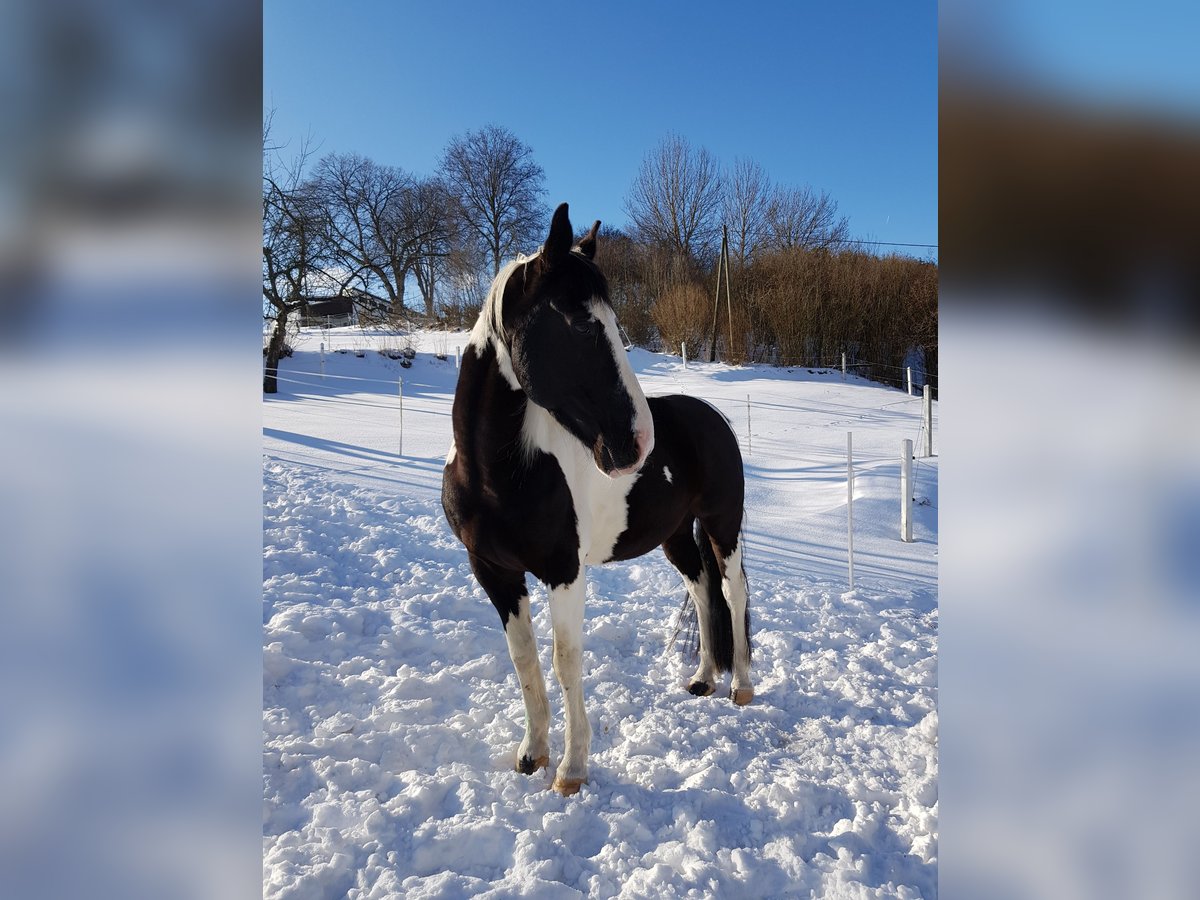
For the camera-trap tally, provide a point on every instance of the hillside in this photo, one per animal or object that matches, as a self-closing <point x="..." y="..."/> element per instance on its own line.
<point x="391" y="712"/>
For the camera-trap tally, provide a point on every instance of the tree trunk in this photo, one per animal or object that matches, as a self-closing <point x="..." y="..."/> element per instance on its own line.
<point x="426" y="281"/>
<point x="274" y="352"/>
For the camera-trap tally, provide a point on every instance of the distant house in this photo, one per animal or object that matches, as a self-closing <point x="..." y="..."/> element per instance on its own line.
<point x="371" y="310"/>
<point x="354" y="307"/>
<point x="328" y="312"/>
<point x="349" y="307"/>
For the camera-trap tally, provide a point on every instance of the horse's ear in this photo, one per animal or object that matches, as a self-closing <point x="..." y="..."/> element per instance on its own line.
<point x="587" y="245"/>
<point x="558" y="242"/>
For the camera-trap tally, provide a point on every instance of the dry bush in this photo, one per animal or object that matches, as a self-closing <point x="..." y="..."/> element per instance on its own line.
<point x="811" y="306"/>
<point x="923" y="303"/>
<point x="786" y="298"/>
<point x="744" y="339"/>
<point x="620" y="258"/>
<point x="738" y="344"/>
<point x="683" y="313"/>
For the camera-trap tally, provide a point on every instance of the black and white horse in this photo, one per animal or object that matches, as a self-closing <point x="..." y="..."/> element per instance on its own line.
<point x="559" y="461"/>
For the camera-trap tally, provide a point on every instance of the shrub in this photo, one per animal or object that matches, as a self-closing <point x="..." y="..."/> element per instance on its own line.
<point x="682" y="313"/>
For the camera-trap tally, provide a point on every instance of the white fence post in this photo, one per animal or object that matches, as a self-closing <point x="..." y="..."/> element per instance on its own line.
<point x="928" y="404"/>
<point x="843" y="366"/>
<point x="322" y="359"/>
<point x="683" y="352"/>
<point x="458" y="357"/>
<point x="850" y="505"/>
<point x="749" y="442"/>
<point x="906" y="493"/>
<point x="910" y="393"/>
<point x="401" y="447"/>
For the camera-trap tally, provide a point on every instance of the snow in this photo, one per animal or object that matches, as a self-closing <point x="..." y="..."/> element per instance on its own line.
<point x="391" y="712"/>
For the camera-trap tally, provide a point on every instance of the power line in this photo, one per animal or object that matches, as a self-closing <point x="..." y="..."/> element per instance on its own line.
<point x="882" y="243"/>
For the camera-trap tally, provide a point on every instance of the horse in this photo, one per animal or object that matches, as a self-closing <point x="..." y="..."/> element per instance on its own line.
<point x="559" y="461"/>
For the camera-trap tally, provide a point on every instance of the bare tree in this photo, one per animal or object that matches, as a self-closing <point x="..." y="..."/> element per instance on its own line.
<point x="438" y="225"/>
<point x="745" y="200"/>
<point x="675" y="200"/>
<point x="498" y="185"/>
<point x="294" y="246"/>
<point x="466" y="285"/>
<point x="366" y="222"/>
<point x="801" y="218"/>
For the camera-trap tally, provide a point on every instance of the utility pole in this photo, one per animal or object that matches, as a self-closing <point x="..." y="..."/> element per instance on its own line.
<point x="722" y="267"/>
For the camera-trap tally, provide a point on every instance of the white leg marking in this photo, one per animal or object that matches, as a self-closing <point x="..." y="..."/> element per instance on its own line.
<point x="706" y="672"/>
<point x="522" y="647"/>
<point x="667" y="475"/>
<point x="733" y="586"/>
<point x="566" y="611"/>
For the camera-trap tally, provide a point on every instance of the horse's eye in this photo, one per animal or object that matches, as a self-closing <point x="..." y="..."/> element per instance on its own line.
<point x="584" y="326"/>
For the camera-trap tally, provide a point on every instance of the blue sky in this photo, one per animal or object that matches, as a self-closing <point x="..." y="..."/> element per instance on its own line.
<point x="838" y="95"/>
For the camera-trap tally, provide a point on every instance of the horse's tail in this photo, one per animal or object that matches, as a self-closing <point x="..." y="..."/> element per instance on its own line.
<point x="719" y="621"/>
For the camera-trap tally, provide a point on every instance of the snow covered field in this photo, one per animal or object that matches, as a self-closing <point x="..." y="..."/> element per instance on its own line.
<point x="391" y="712"/>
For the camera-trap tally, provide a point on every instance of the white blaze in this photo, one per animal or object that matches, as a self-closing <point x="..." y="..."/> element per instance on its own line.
<point x="643" y="422"/>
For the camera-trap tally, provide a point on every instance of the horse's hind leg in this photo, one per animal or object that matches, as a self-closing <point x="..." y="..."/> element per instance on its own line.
<point x="728" y="549"/>
<point x="681" y="551"/>
<point x="508" y="594"/>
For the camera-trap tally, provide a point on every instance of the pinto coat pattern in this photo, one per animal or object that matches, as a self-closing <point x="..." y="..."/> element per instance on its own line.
<point x="559" y="461"/>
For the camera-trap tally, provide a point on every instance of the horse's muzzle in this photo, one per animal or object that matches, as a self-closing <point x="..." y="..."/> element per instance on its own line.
<point x="615" y="462"/>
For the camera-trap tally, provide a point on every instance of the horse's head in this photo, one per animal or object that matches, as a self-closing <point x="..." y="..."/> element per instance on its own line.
<point x="567" y="354"/>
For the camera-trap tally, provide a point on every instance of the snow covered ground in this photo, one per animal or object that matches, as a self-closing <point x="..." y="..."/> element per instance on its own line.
<point x="391" y="712"/>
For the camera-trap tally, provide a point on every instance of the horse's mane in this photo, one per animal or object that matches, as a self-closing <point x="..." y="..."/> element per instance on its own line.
<point x="489" y="327"/>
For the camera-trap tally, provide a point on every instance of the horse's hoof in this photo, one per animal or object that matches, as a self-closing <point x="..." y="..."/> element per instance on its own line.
<point x="527" y="766"/>
<point x="700" y="689"/>
<point x="742" y="696"/>
<point x="568" y="786"/>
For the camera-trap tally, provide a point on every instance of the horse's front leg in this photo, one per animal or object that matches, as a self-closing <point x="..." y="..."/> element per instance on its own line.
<point x="566" y="611"/>
<point x="508" y="594"/>
<point x="534" y="751"/>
